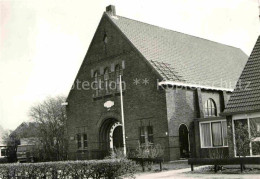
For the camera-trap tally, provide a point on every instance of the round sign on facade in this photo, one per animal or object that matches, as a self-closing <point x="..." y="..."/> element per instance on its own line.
<point x="109" y="104"/>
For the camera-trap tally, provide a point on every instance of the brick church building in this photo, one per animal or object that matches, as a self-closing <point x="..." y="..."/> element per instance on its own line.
<point x="174" y="87"/>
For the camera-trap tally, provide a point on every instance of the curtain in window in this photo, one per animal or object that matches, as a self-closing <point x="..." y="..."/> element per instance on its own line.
<point x="205" y="135"/>
<point x="216" y="133"/>
<point x="224" y="128"/>
<point x="210" y="108"/>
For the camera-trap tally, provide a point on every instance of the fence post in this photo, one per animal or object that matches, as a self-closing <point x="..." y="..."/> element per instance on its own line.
<point x="215" y="168"/>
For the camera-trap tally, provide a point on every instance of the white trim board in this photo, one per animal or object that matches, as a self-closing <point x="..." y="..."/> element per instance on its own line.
<point x="174" y="83"/>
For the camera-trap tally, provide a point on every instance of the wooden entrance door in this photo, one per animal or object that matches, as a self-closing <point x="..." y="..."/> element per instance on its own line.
<point x="184" y="141"/>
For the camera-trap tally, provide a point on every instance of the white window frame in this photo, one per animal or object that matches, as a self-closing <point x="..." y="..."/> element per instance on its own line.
<point x="210" y="122"/>
<point x="241" y="117"/>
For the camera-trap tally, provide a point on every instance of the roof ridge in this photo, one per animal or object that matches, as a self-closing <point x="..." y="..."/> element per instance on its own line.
<point x="177" y="32"/>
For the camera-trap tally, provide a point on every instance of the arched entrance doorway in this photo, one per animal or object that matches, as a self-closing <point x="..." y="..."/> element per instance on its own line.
<point x="111" y="135"/>
<point x="116" y="136"/>
<point x="184" y="141"/>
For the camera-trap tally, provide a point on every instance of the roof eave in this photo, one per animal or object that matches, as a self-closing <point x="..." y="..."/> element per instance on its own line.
<point x="238" y="112"/>
<point x="189" y="85"/>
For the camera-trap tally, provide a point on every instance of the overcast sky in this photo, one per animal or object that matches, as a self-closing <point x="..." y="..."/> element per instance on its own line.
<point x="43" y="43"/>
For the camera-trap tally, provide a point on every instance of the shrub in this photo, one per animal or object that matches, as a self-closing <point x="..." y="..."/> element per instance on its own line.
<point x="3" y="160"/>
<point x="109" y="168"/>
<point x="149" y="151"/>
<point x="218" y="153"/>
<point x="116" y="154"/>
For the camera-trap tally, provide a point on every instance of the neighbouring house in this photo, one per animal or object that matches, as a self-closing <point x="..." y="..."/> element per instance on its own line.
<point x="174" y="88"/>
<point x="3" y="150"/>
<point x="25" y="136"/>
<point x="25" y="150"/>
<point x="3" y="146"/>
<point x="244" y="104"/>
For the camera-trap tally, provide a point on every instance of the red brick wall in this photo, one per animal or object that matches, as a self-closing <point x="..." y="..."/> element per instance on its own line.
<point x="182" y="108"/>
<point x="165" y="111"/>
<point x="141" y="102"/>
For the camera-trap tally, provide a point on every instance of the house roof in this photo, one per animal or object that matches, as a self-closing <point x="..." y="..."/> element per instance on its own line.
<point x="179" y="57"/>
<point x="246" y="96"/>
<point x="26" y="129"/>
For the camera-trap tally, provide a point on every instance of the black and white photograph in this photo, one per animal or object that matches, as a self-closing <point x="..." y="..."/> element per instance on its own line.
<point x="141" y="89"/>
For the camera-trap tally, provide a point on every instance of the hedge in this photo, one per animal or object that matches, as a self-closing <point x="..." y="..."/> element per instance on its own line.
<point x="109" y="168"/>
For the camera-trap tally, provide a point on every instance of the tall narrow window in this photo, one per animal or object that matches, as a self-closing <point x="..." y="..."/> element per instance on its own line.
<point x="216" y="134"/>
<point x="150" y="134"/>
<point x="146" y="135"/>
<point x="142" y="135"/>
<point x="224" y="129"/>
<point x="85" y="141"/>
<point x="205" y="135"/>
<point x="79" y="141"/>
<point x="255" y="134"/>
<point x="118" y="72"/>
<point x="106" y="80"/>
<point x="105" y="39"/>
<point x="96" y="83"/>
<point x="210" y="108"/>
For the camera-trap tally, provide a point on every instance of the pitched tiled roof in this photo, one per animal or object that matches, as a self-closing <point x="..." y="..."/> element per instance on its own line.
<point x="246" y="96"/>
<point x="184" y="58"/>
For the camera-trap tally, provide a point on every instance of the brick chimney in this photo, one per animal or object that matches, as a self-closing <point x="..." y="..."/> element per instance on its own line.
<point x="111" y="10"/>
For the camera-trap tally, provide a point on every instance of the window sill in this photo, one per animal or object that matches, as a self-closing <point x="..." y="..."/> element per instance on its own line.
<point x="214" y="147"/>
<point x="248" y="156"/>
<point x="80" y="150"/>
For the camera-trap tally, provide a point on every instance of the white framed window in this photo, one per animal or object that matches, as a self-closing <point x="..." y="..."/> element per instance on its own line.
<point x="3" y="152"/>
<point x="210" y="108"/>
<point x="213" y="134"/>
<point x="252" y="124"/>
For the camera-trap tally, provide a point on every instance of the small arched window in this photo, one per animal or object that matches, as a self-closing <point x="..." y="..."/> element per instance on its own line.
<point x="210" y="108"/>
<point x="118" y="72"/>
<point x="106" y="79"/>
<point x="96" y="84"/>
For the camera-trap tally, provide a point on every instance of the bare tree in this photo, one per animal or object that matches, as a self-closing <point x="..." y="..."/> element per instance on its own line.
<point x="51" y="118"/>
